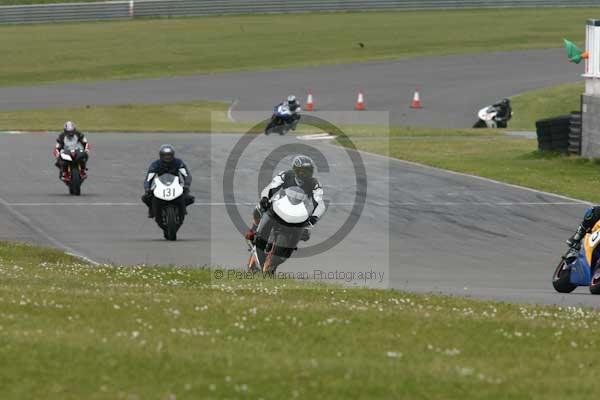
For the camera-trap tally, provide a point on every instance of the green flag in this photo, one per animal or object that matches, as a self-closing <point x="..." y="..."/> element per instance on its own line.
<point x="574" y="53"/>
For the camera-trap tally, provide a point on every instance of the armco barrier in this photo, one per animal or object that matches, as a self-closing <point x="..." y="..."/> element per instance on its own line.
<point x="124" y="9"/>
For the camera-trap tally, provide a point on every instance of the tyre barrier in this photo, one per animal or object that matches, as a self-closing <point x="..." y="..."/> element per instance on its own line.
<point x="553" y="134"/>
<point x="575" y="134"/>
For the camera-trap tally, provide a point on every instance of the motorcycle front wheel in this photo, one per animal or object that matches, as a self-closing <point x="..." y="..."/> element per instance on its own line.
<point x="273" y="261"/>
<point x="75" y="185"/>
<point x="479" y="124"/>
<point x="561" y="280"/>
<point x="172" y="223"/>
<point x="270" y="127"/>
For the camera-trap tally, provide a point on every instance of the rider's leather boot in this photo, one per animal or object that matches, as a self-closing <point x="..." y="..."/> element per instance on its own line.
<point x="574" y="241"/>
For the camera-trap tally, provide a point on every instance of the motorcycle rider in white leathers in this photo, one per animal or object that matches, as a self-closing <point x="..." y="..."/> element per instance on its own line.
<point x="301" y="175"/>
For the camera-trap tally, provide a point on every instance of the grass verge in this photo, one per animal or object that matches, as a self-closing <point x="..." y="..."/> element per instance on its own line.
<point x="170" y="47"/>
<point x="71" y="331"/>
<point x="545" y="103"/>
<point x="176" y="117"/>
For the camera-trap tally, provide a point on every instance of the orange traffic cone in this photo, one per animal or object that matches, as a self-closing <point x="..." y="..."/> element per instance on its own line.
<point x="360" y="102"/>
<point x="416" y="102"/>
<point x="310" y="105"/>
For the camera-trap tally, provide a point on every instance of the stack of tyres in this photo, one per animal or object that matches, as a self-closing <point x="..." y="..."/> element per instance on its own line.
<point x="544" y="136"/>
<point x="575" y="134"/>
<point x="553" y="134"/>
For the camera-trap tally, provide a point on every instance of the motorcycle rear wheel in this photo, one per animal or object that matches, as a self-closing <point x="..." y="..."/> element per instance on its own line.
<point x="561" y="280"/>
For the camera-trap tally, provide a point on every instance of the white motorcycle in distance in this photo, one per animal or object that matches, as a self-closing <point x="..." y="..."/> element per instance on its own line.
<point x="289" y="213"/>
<point x="488" y="118"/>
<point x="168" y="204"/>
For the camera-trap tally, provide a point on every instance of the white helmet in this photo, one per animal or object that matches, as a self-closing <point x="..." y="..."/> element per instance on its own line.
<point x="291" y="99"/>
<point x="69" y="128"/>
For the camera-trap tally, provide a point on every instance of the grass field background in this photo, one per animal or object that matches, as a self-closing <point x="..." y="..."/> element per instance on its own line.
<point x="168" y="47"/>
<point x="73" y="331"/>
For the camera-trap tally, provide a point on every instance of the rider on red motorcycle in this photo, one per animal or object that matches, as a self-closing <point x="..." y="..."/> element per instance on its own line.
<point x="70" y="137"/>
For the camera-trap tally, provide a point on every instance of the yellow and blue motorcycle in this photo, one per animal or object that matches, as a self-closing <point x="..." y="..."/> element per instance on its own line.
<point x="581" y="268"/>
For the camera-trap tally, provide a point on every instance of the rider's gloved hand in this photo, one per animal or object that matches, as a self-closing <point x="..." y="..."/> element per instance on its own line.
<point x="264" y="204"/>
<point x="313" y="220"/>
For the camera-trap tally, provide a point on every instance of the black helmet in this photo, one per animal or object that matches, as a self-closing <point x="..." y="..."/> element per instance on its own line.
<point x="505" y="102"/>
<point x="303" y="168"/>
<point x="166" y="153"/>
<point x="69" y="129"/>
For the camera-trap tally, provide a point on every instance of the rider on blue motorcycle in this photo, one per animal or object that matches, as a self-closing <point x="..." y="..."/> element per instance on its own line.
<point x="293" y="105"/>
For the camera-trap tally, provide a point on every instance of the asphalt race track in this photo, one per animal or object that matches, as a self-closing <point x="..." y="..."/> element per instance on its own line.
<point x="421" y="229"/>
<point x="453" y="88"/>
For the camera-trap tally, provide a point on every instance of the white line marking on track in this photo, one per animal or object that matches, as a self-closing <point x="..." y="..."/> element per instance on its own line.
<point x="316" y="136"/>
<point x="26" y="221"/>
<point x="230" y="111"/>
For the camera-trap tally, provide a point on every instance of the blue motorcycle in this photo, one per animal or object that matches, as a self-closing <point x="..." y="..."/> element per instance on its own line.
<point x="282" y="120"/>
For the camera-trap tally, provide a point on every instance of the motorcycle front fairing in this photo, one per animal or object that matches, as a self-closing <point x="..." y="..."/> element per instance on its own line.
<point x="292" y="206"/>
<point x="581" y="273"/>
<point x="167" y="187"/>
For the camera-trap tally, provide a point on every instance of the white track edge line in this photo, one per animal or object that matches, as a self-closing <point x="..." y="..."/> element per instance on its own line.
<point x="26" y="221"/>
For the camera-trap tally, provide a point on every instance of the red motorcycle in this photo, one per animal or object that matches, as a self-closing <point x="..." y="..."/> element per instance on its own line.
<point x="73" y="173"/>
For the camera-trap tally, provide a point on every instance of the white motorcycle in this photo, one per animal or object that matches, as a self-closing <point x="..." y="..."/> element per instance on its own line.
<point x="282" y="227"/>
<point x="168" y="203"/>
<point x="488" y="118"/>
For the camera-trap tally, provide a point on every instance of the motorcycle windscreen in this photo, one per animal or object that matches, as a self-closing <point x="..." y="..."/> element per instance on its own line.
<point x="292" y="205"/>
<point x="167" y="187"/>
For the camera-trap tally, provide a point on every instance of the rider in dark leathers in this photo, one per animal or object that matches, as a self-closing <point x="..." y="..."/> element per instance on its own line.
<point x="301" y="174"/>
<point x="167" y="163"/>
<point x="294" y="106"/>
<point x="504" y="112"/>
